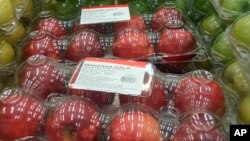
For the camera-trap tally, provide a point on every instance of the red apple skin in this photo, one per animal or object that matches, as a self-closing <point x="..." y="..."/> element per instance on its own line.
<point x="176" y="42"/>
<point x="135" y="22"/>
<point x="52" y="26"/>
<point x="94" y="27"/>
<point x="131" y="44"/>
<point x="40" y="43"/>
<point x="99" y="98"/>
<point x="73" y="120"/>
<point x="199" y="94"/>
<point x="134" y="126"/>
<point x="200" y="127"/>
<point x="156" y="100"/>
<point x="165" y="16"/>
<point x="40" y="77"/>
<point x="84" y="44"/>
<point x="21" y="115"/>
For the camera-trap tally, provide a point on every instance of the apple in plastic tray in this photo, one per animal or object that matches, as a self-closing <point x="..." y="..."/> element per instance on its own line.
<point x="40" y="76"/>
<point x="166" y="17"/>
<point x="84" y="44"/>
<point x="134" y="123"/>
<point x="199" y="127"/>
<point x="132" y="43"/>
<point x="137" y="22"/>
<point x="198" y="91"/>
<point x="72" y="120"/>
<point x="39" y="42"/>
<point x="52" y="26"/>
<point x="177" y="47"/>
<point x="156" y="100"/>
<point x="99" y="98"/>
<point x="21" y="115"/>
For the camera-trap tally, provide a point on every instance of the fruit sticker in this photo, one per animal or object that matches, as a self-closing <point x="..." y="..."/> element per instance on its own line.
<point x="115" y="76"/>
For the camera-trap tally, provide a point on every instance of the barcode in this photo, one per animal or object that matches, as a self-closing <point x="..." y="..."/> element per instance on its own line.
<point x="128" y="79"/>
<point x="118" y="14"/>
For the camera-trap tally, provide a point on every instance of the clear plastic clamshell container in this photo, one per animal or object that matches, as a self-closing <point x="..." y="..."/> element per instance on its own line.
<point x="201" y="91"/>
<point x="237" y="33"/>
<point x="41" y="76"/>
<point x="229" y="10"/>
<point x="22" y="116"/>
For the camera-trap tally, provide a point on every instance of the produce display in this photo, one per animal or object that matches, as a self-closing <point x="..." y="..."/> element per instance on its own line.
<point x="156" y="70"/>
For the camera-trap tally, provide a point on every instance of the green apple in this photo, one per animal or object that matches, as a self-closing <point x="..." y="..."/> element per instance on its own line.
<point x="212" y="25"/>
<point x="7" y="12"/>
<point x="236" y="78"/>
<point x="244" y="110"/>
<point x="181" y="4"/>
<point x="235" y="6"/>
<point x="98" y="2"/>
<point x="221" y="49"/>
<point x="29" y="8"/>
<point x="240" y="31"/>
<point x="204" y="6"/>
<point x="15" y="35"/>
<point x="7" y="53"/>
<point x="138" y="7"/>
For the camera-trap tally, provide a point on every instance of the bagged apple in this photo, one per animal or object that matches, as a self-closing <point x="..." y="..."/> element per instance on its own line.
<point x="40" y="76"/>
<point x="102" y="75"/>
<point x="229" y="10"/>
<point x="134" y="122"/>
<point x="22" y="115"/>
<point x="73" y="119"/>
<point x="200" y="126"/>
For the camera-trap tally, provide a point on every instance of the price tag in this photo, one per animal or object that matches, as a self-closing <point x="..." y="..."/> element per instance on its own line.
<point x="104" y="14"/>
<point x="109" y="75"/>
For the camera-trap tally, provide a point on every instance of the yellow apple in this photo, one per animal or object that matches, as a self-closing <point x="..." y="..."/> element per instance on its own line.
<point x="7" y="53"/>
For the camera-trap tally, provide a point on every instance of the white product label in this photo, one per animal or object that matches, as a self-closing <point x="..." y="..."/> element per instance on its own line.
<point x="107" y="75"/>
<point x="104" y="14"/>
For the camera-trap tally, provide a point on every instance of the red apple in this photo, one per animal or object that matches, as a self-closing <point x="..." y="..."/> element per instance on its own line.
<point x="166" y="17"/>
<point x="94" y="27"/>
<point x="177" y="47"/>
<point x="21" y="115"/>
<point x="73" y="120"/>
<point x="52" y="26"/>
<point x="135" y="22"/>
<point x="99" y="98"/>
<point x="176" y="42"/>
<point x="156" y="100"/>
<point x="134" y="125"/>
<point x="40" y="43"/>
<point x="84" y="44"/>
<point x="194" y="93"/>
<point x="199" y="127"/>
<point x="41" y="76"/>
<point x="131" y="44"/>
